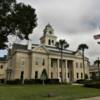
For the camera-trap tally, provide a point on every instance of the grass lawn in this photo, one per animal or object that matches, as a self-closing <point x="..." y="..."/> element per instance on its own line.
<point x="40" y="92"/>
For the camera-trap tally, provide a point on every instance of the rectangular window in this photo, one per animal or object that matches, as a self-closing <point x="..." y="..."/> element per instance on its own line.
<point x="81" y="75"/>
<point x="51" y="63"/>
<point x="68" y="75"/>
<point x="43" y="62"/>
<point x="36" y="74"/>
<point x="21" y="75"/>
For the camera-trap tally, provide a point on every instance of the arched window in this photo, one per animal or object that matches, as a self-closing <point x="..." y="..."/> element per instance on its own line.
<point x="53" y="42"/>
<point x="49" y="42"/>
<point x="77" y="74"/>
<point x="1" y="66"/>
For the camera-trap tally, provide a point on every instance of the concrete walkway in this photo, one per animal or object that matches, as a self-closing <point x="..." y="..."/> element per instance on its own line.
<point x="92" y="98"/>
<point x="77" y="84"/>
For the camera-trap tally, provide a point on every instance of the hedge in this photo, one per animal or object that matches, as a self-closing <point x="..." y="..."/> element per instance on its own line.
<point x="1" y="80"/>
<point x="33" y="81"/>
<point x="83" y="81"/>
<point x="93" y="85"/>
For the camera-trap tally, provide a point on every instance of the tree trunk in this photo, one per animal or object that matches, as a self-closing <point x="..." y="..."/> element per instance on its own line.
<point x="61" y="68"/>
<point x="83" y="64"/>
<point x="98" y="69"/>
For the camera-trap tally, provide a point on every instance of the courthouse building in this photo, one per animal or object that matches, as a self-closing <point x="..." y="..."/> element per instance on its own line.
<point x="29" y="63"/>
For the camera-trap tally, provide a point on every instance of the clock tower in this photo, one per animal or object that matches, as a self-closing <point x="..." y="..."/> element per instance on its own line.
<point x="48" y="37"/>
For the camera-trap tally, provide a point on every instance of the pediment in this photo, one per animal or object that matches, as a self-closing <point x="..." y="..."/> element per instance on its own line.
<point x="40" y="49"/>
<point x="78" y="54"/>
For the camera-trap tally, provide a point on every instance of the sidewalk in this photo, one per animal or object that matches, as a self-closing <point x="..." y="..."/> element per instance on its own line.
<point x="92" y="98"/>
<point x="77" y="84"/>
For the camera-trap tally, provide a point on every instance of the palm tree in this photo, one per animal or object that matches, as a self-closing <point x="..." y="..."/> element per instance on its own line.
<point x="82" y="47"/>
<point x="61" y="45"/>
<point x="98" y="65"/>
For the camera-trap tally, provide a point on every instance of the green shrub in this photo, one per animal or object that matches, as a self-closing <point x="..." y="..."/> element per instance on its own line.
<point x="12" y="82"/>
<point x="33" y="81"/>
<point x="52" y="81"/>
<point x="1" y="80"/>
<point x="83" y="81"/>
<point x="92" y="85"/>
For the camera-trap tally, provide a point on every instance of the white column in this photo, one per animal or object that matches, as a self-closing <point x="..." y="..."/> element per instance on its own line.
<point x="66" y="71"/>
<point x="58" y="68"/>
<point x="49" y="67"/>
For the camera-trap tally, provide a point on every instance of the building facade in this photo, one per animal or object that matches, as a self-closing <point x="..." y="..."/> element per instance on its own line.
<point x="3" y="67"/>
<point x="94" y="72"/>
<point x="25" y="63"/>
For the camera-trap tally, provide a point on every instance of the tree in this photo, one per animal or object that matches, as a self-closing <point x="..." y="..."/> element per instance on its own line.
<point x="5" y="11"/>
<point x="61" y="45"/>
<point x="16" y="19"/>
<point x="97" y="62"/>
<point x="82" y="47"/>
<point x="44" y="75"/>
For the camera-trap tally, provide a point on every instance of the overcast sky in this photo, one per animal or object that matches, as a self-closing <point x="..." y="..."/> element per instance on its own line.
<point x="74" y="20"/>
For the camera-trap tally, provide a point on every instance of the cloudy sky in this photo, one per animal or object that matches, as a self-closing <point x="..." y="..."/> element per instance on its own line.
<point x="74" y="20"/>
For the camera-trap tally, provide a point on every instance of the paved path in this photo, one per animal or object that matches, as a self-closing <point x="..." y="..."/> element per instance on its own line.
<point x="92" y="98"/>
<point x="77" y="84"/>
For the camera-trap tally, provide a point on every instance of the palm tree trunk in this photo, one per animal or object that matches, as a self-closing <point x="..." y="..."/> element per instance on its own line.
<point x="83" y="64"/>
<point x="61" y="68"/>
<point x="98" y="69"/>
